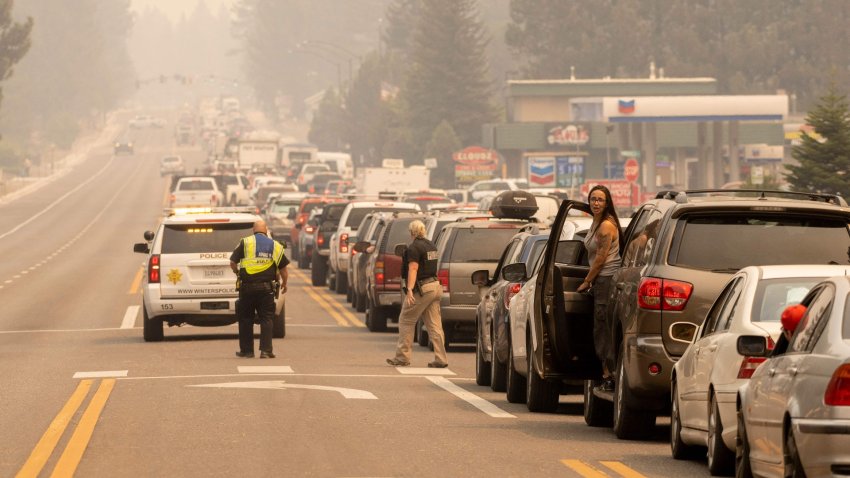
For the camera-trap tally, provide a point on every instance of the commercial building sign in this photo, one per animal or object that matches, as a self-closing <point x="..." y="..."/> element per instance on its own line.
<point x="567" y="134"/>
<point x="626" y="195"/>
<point x="474" y="164"/>
<point x="541" y="171"/>
<point x="555" y="170"/>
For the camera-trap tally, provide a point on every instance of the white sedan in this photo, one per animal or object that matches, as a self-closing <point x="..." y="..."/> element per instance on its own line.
<point x="794" y="413"/>
<point x="707" y="377"/>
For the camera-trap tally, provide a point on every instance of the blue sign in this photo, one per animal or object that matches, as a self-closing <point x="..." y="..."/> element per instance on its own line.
<point x="570" y="171"/>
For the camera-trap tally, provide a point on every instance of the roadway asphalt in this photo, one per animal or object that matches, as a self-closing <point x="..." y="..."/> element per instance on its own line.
<point x="82" y="392"/>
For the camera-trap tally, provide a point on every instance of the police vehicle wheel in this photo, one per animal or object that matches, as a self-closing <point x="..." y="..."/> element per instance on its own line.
<point x="279" y="324"/>
<point x="152" y="328"/>
<point x="318" y="270"/>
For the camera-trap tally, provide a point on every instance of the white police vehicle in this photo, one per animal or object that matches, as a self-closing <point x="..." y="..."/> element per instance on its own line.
<point x="188" y="279"/>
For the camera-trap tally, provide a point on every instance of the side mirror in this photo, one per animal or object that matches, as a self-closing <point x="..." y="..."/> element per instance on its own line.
<point x="361" y="246"/>
<point x="514" y="272"/>
<point x="481" y="277"/>
<point x="292" y="214"/>
<point x="149" y="236"/>
<point x="683" y="332"/>
<point x="571" y="252"/>
<point x="400" y="249"/>
<point x="141" y="247"/>
<point x="752" y="346"/>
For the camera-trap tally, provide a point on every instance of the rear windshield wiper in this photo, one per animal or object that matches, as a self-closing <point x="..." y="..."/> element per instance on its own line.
<point x="727" y="270"/>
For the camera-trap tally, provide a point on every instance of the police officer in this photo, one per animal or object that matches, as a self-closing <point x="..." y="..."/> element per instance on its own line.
<point x="259" y="261"/>
<point x="422" y="298"/>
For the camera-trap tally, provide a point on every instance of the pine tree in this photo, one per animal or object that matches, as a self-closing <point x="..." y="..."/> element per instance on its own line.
<point x="443" y="143"/>
<point x="328" y="124"/>
<point x="448" y="76"/>
<point x="825" y="161"/>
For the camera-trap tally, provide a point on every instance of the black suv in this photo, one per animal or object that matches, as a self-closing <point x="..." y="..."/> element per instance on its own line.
<point x="325" y="227"/>
<point x="677" y="253"/>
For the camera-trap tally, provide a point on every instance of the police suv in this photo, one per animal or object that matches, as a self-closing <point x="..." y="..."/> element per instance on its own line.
<point x="188" y="279"/>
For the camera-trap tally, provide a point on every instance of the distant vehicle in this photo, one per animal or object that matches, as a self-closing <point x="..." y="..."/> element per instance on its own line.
<point x="123" y="146"/>
<point x="308" y="170"/>
<point x="171" y="165"/>
<point x="196" y="191"/>
<point x="339" y="163"/>
<point x="157" y="122"/>
<point x="294" y="155"/>
<point x="258" y="150"/>
<point x="319" y="182"/>
<point x="491" y="187"/>
<point x="184" y="134"/>
<point x="373" y="181"/>
<point x="140" y="121"/>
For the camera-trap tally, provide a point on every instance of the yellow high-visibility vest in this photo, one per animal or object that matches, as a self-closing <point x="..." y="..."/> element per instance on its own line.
<point x="256" y="261"/>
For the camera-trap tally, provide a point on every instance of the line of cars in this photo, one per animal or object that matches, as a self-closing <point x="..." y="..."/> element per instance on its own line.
<point x="695" y="306"/>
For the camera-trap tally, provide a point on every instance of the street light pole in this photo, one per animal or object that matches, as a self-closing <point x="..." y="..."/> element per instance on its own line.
<point x="607" y="152"/>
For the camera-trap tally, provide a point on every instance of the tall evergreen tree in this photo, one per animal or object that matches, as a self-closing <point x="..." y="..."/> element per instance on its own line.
<point x="825" y="161"/>
<point x="443" y="143"/>
<point x="14" y="40"/>
<point x="448" y="77"/>
<point x="328" y="127"/>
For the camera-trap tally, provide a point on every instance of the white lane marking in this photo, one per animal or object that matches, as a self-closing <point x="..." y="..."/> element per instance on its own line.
<point x="265" y="369"/>
<point x="130" y="317"/>
<point x="55" y="331"/>
<point x="349" y="393"/>
<point x="424" y="371"/>
<point x="470" y="398"/>
<point x="25" y="272"/>
<point x="16" y="276"/>
<point x="61" y="199"/>
<point x="34" y="267"/>
<point x="101" y="374"/>
<point x="8" y="281"/>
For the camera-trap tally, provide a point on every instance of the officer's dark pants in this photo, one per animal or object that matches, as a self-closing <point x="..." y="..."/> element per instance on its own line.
<point x="255" y="300"/>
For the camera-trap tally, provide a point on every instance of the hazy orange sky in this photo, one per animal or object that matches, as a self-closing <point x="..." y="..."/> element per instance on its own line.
<point x="174" y="8"/>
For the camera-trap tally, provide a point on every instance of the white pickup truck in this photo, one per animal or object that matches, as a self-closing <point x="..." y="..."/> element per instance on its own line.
<point x="237" y="189"/>
<point x="344" y="238"/>
<point x="196" y="191"/>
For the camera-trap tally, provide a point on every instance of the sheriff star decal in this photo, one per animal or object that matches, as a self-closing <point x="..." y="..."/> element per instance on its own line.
<point x="174" y="276"/>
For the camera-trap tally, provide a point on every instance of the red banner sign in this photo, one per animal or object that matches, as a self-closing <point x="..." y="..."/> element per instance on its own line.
<point x="624" y="193"/>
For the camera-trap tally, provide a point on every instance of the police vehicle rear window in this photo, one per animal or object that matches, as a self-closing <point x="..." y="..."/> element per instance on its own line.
<point x="355" y="216"/>
<point x="480" y="244"/>
<point x="726" y="243"/>
<point x="196" y="185"/>
<point x="189" y="238"/>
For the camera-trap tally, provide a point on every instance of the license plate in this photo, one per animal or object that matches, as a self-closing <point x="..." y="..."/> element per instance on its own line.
<point x="217" y="305"/>
<point x="215" y="273"/>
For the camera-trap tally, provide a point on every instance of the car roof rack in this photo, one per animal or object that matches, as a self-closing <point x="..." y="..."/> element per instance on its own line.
<point x="681" y="197"/>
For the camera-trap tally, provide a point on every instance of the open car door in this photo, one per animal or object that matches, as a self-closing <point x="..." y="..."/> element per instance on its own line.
<point x="563" y="318"/>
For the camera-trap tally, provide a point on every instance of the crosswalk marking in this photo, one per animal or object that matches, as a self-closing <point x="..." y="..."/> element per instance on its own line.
<point x="265" y="369"/>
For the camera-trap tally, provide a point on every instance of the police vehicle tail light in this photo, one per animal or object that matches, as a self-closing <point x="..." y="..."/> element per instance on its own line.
<point x="659" y="294"/>
<point x="153" y="269"/>
<point x="749" y="366"/>
<point x="512" y="290"/>
<point x="838" y="390"/>
<point x="379" y="272"/>
<point x="343" y="243"/>
<point x="443" y="277"/>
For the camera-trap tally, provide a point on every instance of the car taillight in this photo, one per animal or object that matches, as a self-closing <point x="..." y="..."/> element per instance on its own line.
<point x="512" y="290"/>
<point x="153" y="269"/>
<point x="838" y="391"/>
<point x="749" y="366"/>
<point x="379" y="272"/>
<point x="214" y="198"/>
<point x="312" y="189"/>
<point x="320" y="240"/>
<point x="443" y="277"/>
<point x="302" y="219"/>
<point x="343" y="243"/>
<point x="658" y="294"/>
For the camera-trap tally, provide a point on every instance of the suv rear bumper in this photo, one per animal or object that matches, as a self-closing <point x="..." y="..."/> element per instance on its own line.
<point x="651" y="391"/>
<point x="458" y="313"/>
<point x="188" y="310"/>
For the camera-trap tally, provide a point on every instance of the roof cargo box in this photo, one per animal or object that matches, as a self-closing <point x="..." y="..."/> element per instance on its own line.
<point x="514" y="205"/>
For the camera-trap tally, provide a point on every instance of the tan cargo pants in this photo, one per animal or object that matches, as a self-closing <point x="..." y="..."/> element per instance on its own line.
<point x="429" y="303"/>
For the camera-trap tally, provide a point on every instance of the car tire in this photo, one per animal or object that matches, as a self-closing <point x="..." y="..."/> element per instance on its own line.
<point x="597" y="411"/>
<point x="318" y="270"/>
<point x="482" y="367"/>
<point x="498" y="371"/>
<point x="341" y="282"/>
<point x="376" y="318"/>
<point x="330" y="281"/>
<point x="721" y="460"/>
<point x="541" y="395"/>
<point x="359" y="302"/>
<point x="678" y="448"/>
<point x="743" y="468"/>
<point x="629" y="423"/>
<point x="515" y="389"/>
<point x="791" y="457"/>
<point x="303" y="261"/>
<point x="151" y="327"/>
<point x="295" y="255"/>
<point x="421" y="334"/>
<point x="349" y="293"/>
<point x="279" y="324"/>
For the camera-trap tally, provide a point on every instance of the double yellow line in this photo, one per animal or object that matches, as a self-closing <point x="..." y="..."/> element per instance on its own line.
<point x="343" y="316"/>
<point x="73" y="453"/>
<point x="588" y="471"/>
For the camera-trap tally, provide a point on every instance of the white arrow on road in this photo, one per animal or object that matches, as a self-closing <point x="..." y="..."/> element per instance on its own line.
<point x="351" y="393"/>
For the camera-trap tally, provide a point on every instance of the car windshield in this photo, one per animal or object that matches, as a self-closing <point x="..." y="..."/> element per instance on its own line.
<point x="189" y="238"/>
<point x="480" y="244"/>
<point x="283" y="207"/>
<point x="773" y="295"/>
<point x="732" y="241"/>
<point x="196" y="185"/>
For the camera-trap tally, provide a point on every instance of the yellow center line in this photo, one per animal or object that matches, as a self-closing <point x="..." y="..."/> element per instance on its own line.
<point x="583" y="469"/>
<point x="45" y="446"/>
<point x="622" y="469"/>
<point x="137" y="281"/>
<point x="321" y="301"/>
<point x="70" y="459"/>
<point x="329" y="300"/>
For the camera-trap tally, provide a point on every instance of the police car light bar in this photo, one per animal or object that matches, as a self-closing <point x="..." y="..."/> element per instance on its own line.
<point x="184" y="211"/>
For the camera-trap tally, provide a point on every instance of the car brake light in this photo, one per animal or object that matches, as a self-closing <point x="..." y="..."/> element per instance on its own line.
<point x="749" y="366"/>
<point x="512" y="290"/>
<point x="153" y="269"/>
<point x="320" y="240"/>
<point x="838" y="390"/>
<point x="379" y="273"/>
<point x="443" y="276"/>
<point x="658" y="294"/>
<point x="343" y="243"/>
